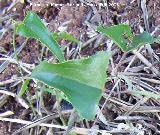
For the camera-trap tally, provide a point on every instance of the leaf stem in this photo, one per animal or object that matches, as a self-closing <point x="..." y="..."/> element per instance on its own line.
<point x="59" y="108"/>
<point x="14" y="48"/>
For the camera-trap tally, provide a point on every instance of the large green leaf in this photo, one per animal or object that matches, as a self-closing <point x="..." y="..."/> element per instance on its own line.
<point x="123" y="37"/>
<point x="33" y="27"/>
<point x="81" y="81"/>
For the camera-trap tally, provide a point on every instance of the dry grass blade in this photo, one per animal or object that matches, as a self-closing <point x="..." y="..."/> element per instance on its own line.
<point x="35" y="123"/>
<point x="18" y="99"/>
<point x="142" y="101"/>
<point x="141" y="85"/>
<point x="18" y="79"/>
<point x="143" y="109"/>
<point x="134" y="118"/>
<point x="6" y="63"/>
<point x="3" y="99"/>
<point x="7" y="93"/>
<point x="81" y="131"/>
<point x="89" y="41"/>
<point x="146" y="62"/>
<point x="151" y="80"/>
<point x="127" y="106"/>
<point x="6" y="114"/>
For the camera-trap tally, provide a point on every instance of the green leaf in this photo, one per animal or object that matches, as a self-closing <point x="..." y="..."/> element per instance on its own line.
<point x="81" y="81"/>
<point x="33" y="27"/>
<point x="140" y="40"/>
<point x="67" y="36"/>
<point x="120" y="34"/>
<point x="64" y="35"/>
<point x="72" y="133"/>
<point x="55" y="36"/>
<point x="23" y="88"/>
<point x="123" y="37"/>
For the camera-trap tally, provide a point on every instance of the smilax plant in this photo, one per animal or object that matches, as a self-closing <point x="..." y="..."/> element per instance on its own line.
<point x="82" y="80"/>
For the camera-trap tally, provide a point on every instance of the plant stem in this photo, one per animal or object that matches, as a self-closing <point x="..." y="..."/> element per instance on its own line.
<point x="59" y="108"/>
<point x="14" y="48"/>
<point x="42" y="52"/>
<point x="72" y="119"/>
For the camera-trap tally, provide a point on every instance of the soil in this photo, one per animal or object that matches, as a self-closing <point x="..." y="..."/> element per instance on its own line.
<point x="73" y="20"/>
<point x="3" y="129"/>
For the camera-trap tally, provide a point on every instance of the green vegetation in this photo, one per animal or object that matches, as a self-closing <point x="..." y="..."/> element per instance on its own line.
<point x="82" y="81"/>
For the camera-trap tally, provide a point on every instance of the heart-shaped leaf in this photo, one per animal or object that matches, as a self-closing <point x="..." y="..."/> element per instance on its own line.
<point x="81" y="81"/>
<point x="120" y="34"/>
<point x="123" y="37"/>
<point x="141" y="39"/>
<point x="33" y="27"/>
